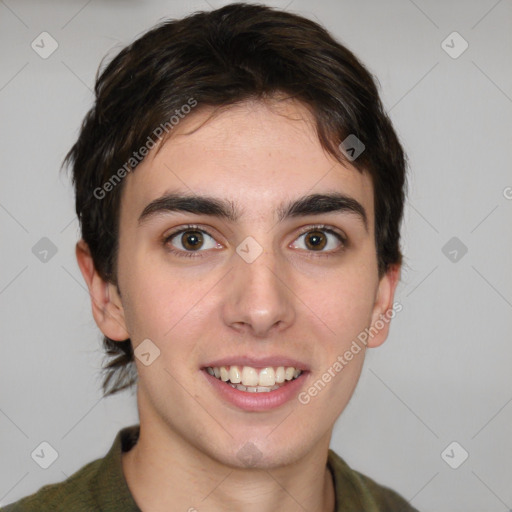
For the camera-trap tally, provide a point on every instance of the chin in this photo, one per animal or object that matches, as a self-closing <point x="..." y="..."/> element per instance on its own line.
<point x="259" y="453"/>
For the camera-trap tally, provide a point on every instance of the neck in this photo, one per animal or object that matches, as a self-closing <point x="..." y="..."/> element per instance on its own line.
<point x="164" y="472"/>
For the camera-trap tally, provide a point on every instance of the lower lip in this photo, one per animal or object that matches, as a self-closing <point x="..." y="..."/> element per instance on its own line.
<point x="255" y="402"/>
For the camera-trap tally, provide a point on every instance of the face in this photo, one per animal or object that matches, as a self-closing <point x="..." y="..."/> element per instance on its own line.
<point x="251" y="281"/>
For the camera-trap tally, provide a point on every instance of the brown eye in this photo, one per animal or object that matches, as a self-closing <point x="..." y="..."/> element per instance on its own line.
<point x="192" y="240"/>
<point x="315" y="240"/>
<point x="320" y="240"/>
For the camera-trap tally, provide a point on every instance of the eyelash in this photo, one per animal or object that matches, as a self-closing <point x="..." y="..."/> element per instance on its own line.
<point x="195" y="254"/>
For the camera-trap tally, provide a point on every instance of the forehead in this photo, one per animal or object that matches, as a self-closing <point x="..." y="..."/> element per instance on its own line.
<point x="255" y="154"/>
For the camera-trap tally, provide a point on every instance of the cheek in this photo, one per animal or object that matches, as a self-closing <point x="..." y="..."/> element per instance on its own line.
<point x="147" y="297"/>
<point x="155" y="310"/>
<point x="346" y="303"/>
<point x="163" y="304"/>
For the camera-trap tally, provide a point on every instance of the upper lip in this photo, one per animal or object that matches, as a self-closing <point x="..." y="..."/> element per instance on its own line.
<point x="258" y="362"/>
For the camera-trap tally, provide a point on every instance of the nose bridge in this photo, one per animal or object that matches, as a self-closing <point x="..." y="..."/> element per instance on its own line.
<point x="257" y="298"/>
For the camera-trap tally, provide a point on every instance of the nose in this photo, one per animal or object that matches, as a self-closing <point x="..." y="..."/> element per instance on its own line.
<point x="258" y="300"/>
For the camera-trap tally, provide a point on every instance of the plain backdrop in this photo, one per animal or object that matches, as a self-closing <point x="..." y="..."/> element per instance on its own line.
<point x="444" y="374"/>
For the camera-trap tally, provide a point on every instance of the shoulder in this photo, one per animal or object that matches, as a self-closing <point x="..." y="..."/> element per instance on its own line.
<point x="71" y="494"/>
<point x="355" y="491"/>
<point x="99" y="485"/>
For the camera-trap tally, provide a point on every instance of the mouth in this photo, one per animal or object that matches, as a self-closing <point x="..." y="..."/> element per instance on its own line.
<point x="256" y="384"/>
<point x="253" y="379"/>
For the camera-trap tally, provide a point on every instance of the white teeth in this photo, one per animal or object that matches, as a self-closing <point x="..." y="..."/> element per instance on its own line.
<point x="249" y="376"/>
<point x="253" y="380"/>
<point x="267" y="377"/>
<point x="252" y="389"/>
<point x="234" y="375"/>
<point x="224" y="375"/>
<point x="288" y="374"/>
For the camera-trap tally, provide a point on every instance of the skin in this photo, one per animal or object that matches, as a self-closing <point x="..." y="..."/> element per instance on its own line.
<point x="291" y="301"/>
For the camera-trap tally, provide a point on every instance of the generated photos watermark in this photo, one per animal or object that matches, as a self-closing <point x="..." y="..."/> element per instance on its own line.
<point x="151" y="142"/>
<point x="343" y="359"/>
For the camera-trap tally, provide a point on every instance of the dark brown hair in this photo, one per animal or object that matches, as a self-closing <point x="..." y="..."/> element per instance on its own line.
<point x="218" y="58"/>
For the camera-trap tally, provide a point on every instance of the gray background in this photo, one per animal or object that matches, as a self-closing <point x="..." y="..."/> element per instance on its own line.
<point x="444" y="373"/>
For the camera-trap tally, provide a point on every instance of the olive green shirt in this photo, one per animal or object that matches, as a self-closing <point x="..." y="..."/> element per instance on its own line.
<point x="101" y="486"/>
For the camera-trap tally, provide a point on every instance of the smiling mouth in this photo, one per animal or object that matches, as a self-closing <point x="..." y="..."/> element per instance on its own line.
<point x="254" y="380"/>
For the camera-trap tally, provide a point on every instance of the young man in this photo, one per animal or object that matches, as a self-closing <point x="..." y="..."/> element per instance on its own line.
<point x="240" y="192"/>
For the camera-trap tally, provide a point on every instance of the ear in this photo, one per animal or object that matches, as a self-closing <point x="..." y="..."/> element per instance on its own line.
<point x="383" y="310"/>
<point x="107" y="308"/>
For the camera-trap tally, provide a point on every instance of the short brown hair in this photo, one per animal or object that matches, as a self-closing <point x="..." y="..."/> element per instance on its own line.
<point x="236" y="53"/>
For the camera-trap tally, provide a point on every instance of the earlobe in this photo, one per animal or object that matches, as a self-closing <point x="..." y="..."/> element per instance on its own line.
<point x="381" y="318"/>
<point x="106" y="304"/>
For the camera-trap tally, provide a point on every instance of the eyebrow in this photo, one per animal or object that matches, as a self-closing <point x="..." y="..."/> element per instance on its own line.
<point x="313" y="204"/>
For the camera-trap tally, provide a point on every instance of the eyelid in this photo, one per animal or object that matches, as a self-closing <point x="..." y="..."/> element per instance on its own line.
<point x="324" y="227"/>
<point x="166" y="239"/>
<point x="187" y="227"/>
